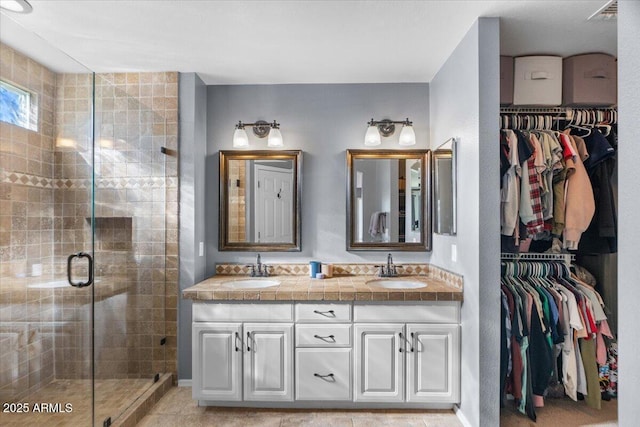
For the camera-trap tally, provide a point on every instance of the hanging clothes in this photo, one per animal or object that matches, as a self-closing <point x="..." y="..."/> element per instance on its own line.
<point x="601" y="235"/>
<point x="556" y="189"/>
<point x="554" y="330"/>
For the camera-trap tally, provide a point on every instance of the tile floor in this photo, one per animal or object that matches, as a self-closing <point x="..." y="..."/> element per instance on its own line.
<point x="113" y="397"/>
<point x="562" y="412"/>
<point x="177" y="408"/>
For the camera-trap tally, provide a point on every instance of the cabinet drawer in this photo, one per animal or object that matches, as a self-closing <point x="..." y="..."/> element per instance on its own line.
<point x="323" y="374"/>
<point x="332" y="335"/>
<point x="225" y="312"/>
<point x="323" y="312"/>
<point x="427" y="312"/>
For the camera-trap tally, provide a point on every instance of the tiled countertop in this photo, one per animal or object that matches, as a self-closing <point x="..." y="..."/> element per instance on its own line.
<point x="340" y="288"/>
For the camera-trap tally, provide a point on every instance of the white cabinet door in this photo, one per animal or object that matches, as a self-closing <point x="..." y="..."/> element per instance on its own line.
<point x="268" y="361"/>
<point x="433" y="363"/>
<point x="379" y="362"/>
<point x="217" y="366"/>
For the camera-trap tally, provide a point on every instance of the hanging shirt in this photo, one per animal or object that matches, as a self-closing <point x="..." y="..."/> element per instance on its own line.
<point x="510" y="191"/>
<point x="531" y="206"/>
<point x="579" y="202"/>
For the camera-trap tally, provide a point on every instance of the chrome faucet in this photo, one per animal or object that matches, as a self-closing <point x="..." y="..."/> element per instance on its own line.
<point x="258" y="269"/>
<point x="388" y="270"/>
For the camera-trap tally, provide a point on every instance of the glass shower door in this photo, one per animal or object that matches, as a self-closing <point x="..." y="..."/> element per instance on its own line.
<point x="130" y="236"/>
<point x="46" y="172"/>
<point x="85" y="176"/>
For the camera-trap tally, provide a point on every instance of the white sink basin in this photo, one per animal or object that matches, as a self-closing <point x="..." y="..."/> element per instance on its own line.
<point x="251" y="283"/>
<point x="397" y="284"/>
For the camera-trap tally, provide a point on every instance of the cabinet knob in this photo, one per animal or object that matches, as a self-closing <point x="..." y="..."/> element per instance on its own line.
<point x="400" y="346"/>
<point x="248" y="341"/>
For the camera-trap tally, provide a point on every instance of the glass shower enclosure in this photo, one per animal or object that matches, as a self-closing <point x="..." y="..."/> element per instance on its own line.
<point x="87" y="214"/>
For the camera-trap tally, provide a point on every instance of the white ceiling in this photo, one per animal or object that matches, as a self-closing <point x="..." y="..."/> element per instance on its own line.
<point x="272" y="42"/>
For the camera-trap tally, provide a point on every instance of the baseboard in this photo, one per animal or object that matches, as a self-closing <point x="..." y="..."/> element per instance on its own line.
<point x="184" y="383"/>
<point x="461" y="417"/>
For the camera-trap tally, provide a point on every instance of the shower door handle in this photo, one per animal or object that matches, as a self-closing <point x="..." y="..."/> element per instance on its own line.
<point x="89" y="279"/>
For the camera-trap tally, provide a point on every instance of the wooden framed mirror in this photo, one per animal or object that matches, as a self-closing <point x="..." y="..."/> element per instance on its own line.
<point x="388" y="200"/>
<point x="260" y="200"/>
<point x="444" y="188"/>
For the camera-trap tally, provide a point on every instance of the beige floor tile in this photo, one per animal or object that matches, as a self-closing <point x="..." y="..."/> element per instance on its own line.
<point x="178" y="406"/>
<point x="316" y="420"/>
<point x="449" y="421"/>
<point x="388" y="421"/>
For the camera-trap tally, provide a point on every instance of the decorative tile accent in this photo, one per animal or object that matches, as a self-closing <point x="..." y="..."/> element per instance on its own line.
<point x="346" y="270"/>
<point x="449" y="277"/>
<point x="275" y="270"/>
<point x="338" y="269"/>
<point x="139" y="183"/>
<point x="25" y="179"/>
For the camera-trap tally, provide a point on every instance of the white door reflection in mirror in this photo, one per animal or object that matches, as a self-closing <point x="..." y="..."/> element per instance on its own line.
<point x="260" y="200"/>
<point x="274" y="197"/>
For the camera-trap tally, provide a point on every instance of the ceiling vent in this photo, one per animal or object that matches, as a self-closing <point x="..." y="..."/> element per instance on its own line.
<point x="607" y="12"/>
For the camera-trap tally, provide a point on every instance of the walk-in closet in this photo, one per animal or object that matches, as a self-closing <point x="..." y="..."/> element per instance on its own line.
<point x="558" y="220"/>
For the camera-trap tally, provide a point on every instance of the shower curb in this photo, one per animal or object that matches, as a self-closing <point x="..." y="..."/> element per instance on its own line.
<point x="142" y="406"/>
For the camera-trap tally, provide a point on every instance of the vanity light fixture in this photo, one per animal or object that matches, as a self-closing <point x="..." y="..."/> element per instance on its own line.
<point x="18" y="6"/>
<point x="378" y="128"/>
<point x="261" y="129"/>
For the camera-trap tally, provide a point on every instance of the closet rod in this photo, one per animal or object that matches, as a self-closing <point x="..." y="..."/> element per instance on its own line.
<point x="566" y="258"/>
<point x="551" y="110"/>
<point x="532" y="110"/>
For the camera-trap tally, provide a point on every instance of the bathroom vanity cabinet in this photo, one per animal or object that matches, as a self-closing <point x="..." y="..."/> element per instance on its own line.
<point x="310" y="354"/>
<point x="407" y="353"/>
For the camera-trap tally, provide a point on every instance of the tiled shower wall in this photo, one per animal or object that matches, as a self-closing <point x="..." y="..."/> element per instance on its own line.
<point x="26" y="167"/>
<point x="237" y="201"/>
<point x="26" y="233"/>
<point x="44" y="216"/>
<point x="135" y="215"/>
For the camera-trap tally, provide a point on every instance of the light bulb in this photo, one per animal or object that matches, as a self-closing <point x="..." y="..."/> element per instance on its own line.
<point x="372" y="137"/>
<point x="19" y="6"/>
<point x="240" y="138"/>
<point x="407" y="136"/>
<point x="275" y="138"/>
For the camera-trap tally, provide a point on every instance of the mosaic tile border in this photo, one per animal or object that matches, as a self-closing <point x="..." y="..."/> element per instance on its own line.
<point x="428" y="270"/>
<point x="338" y="269"/>
<point x="107" y="183"/>
<point x="453" y="279"/>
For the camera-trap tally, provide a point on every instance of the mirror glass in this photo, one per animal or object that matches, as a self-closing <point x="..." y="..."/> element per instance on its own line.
<point x="444" y="188"/>
<point x="259" y="200"/>
<point x="388" y="200"/>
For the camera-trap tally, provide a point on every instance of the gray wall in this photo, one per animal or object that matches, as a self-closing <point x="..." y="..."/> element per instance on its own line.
<point x="323" y="121"/>
<point x="464" y="103"/>
<point x="629" y="206"/>
<point x="192" y="149"/>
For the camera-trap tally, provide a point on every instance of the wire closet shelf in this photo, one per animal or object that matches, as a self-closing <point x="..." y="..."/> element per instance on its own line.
<point x="537" y="118"/>
<point x="566" y="258"/>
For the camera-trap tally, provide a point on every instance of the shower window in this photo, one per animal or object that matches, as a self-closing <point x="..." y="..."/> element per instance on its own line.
<point x="18" y="106"/>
